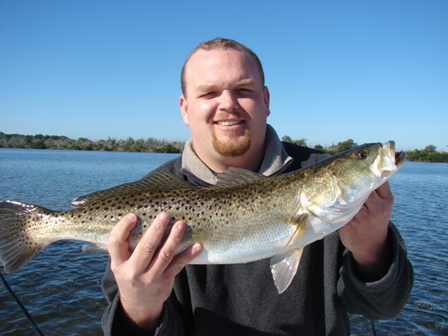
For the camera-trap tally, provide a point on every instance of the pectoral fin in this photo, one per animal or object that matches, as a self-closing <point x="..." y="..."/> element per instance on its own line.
<point x="284" y="267"/>
<point x="299" y="221"/>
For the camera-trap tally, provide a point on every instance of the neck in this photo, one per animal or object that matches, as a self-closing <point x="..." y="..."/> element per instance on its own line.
<point x="219" y="163"/>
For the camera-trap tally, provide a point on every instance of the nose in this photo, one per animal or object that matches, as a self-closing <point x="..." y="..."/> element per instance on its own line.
<point x="228" y="101"/>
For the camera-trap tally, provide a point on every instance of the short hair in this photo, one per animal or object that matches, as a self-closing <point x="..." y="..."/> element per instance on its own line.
<point x="220" y="43"/>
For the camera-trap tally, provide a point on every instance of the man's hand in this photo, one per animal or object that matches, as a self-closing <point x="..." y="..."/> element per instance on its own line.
<point x="366" y="235"/>
<point x="145" y="276"/>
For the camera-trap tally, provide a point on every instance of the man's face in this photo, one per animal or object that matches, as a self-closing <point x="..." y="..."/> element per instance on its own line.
<point x="225" y="104"/>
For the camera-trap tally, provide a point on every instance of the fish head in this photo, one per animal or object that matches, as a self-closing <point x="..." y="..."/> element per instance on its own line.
<point x="353" y="168"/>
<point x="330" y="194"/>
<point x="367" y="166"/>
<point x="348" y="179"/>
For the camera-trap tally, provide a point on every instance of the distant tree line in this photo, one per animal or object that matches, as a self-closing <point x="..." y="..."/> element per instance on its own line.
<point x="39" y="141"/>
<point x="333" y="149"/>
<point x="429" y="154"/>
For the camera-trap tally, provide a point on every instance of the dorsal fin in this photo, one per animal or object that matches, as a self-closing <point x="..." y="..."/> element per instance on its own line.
<point x="162" y="181"/>
<point x="235" y="175"/>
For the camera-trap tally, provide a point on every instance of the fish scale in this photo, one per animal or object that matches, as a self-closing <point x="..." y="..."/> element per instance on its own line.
<point x="246" y="217"/>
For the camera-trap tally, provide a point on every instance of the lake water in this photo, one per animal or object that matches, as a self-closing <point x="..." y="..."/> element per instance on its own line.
<point x="61" y="287"/>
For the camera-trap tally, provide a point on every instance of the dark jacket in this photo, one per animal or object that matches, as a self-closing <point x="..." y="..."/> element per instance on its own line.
<point x="241" y="299"/>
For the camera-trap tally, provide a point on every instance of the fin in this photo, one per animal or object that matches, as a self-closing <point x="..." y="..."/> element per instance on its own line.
<point x="162" y="181"/>
<point x="94" y="248"/>
<point x="16" y="247"/>
<point x="284" y="267"/>
<point x="298" y="221"/>
<point x="234" y="176"/>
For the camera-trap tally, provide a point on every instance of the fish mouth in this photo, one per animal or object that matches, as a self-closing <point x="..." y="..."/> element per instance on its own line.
<point x="387" y="161"/>
<point x="400" y="158"/>
<point x="389" y="150"/>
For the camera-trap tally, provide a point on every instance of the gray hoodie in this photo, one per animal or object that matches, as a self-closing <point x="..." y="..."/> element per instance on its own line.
<point x="242" y="299"/>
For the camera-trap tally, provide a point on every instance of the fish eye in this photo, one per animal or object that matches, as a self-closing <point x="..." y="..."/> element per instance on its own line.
<point x="362" y="155"/>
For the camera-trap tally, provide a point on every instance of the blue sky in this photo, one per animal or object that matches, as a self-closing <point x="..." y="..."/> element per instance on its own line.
<point x="366" y="70"/>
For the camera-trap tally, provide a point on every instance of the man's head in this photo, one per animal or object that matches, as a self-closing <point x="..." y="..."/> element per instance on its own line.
<point x="225" y="104"/>
<point x="220" y="43"/>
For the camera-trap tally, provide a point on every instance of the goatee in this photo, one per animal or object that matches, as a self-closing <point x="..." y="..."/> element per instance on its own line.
<point x="238" y="147"/>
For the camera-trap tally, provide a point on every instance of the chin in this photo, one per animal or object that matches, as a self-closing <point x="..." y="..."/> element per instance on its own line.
<point x="234" y="148"/>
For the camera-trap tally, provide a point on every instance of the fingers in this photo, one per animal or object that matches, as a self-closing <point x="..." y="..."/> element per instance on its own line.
<point x="153" y="255"/>
<point x="117" y="244"/>
<point x="380" y="201"/>
<point x="149" y="256"/>
<point x="384" y="191"/>
<point x="166" y="254"/>
<point x="147" y="273"/>
<point x="147" y="246"/>
<point x="165" y="259"/>
<point x="183" y="259"/>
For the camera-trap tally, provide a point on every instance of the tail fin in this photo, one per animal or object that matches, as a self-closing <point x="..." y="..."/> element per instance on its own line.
<point x="17" y="248"/>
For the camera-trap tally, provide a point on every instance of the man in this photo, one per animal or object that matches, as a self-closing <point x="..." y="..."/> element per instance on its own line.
<point x="361" y="269"/>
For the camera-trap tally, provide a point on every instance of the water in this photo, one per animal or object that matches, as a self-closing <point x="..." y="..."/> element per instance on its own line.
<point x="61" y="287"/>
<point x="420" y="212"/>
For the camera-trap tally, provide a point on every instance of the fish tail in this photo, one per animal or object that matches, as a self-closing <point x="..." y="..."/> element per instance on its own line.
<point x="17" y="245"/>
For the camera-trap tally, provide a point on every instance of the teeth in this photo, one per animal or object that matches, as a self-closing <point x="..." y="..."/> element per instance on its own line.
<point x="229" y="122"/>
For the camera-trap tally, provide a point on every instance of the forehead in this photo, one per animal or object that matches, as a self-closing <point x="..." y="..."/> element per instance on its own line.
<point x="218" y="63"/>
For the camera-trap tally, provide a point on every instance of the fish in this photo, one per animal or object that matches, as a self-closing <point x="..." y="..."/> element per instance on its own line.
<point x="245" y="217"/>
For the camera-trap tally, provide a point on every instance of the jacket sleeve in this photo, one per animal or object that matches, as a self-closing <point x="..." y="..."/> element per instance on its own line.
<point x="382" y="299"/>
<point x="115" y="322"/>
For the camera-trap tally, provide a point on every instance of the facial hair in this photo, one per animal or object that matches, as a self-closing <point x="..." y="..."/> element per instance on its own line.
<point x="238" y="147"/>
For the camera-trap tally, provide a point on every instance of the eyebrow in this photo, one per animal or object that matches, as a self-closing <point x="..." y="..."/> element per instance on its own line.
<point x="248" y="81"/>
<point x="211" y="87"/>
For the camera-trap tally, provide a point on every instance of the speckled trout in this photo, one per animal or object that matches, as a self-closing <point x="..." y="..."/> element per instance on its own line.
<point x="245" y="217"/>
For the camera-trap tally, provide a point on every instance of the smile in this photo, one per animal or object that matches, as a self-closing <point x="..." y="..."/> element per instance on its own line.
<point x="229" y="122"/>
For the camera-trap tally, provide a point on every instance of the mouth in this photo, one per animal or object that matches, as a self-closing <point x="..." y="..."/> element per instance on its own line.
<point x="388" y="161"/>
<point x="228" y="122"/>
<point x="398" y="157"/>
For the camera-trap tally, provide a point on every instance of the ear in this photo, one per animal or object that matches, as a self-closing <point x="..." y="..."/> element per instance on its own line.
<point x="266" y="98"/>
<point x="184" y="109"/>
